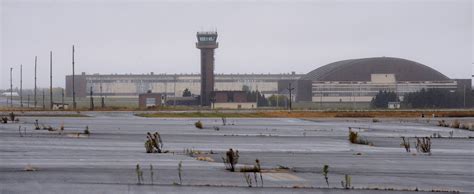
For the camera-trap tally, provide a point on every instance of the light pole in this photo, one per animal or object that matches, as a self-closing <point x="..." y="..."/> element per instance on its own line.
<point x="289" y="90"/>
<point x="51" y="80"/>
<point x="35" y="100"/>
<point x="11" y="87"/>
<point x="73" y="91"/>
<point x="21" y="86"/>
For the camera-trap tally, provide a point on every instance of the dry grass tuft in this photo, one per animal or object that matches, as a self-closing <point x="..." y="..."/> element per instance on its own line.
<point x="30" y="168"/>
<point x="205" y="158"/>
<point x="198" y="125"/>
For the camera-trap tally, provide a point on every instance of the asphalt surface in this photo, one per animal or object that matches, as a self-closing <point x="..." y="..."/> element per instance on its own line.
<point x="105" y="161"/>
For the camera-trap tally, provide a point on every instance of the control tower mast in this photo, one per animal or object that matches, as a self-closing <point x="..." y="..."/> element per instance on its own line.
<point x="207" y="42"/>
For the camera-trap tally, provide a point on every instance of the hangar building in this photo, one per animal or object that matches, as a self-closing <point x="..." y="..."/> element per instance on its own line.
<point x="359" y="80"/>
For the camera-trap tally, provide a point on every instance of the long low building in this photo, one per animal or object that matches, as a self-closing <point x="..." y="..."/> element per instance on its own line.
<point x="131" y="85"/>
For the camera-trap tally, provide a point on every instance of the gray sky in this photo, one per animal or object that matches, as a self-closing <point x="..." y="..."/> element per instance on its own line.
<point x="254" y="36"/>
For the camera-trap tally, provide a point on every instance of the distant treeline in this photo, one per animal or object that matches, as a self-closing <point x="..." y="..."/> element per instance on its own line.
<point x="427" y="98"/>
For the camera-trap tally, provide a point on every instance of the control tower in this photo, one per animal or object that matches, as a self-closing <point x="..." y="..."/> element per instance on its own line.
<point x="207" y="42"/>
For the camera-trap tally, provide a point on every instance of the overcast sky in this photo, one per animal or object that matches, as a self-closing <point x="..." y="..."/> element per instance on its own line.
<point x="254" y="36"/>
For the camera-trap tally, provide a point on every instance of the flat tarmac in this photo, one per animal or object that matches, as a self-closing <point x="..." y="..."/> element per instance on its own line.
<point x="292" y="152"/>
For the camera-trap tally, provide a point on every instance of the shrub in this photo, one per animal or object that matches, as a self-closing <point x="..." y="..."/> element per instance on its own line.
<point x="375" y="120"/>
<point x="231" y="159"/>
<point x="353" y="136"/>
<point x="406" y="144"/>
<point x="455" y="124"/>
<point x="325" y="173"/>
<point x="37" y="127"/>
<point x="4" y="120"/>
<point x="443" y="123"/>
<point x="423" y="145"/>
<point x="149" y="146"/>
<point x="86" y="131"/>
<point x="356" y="139"/>
<point x="198" y="125"/>
<point x="153" y="143"/>
<point x="249" y="169"/>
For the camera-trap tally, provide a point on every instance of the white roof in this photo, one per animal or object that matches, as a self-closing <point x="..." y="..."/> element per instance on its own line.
<point x="8" y="94"/>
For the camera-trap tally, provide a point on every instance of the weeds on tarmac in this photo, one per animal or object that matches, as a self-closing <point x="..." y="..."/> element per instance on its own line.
<point x="86" y="131"/>
<point x="139" y="174"/>
<point x="347" y="183"/>
<point x="180" y="169"/>
<point x="231" y="159"/>
<point x="456" y="124"/>
<point x="154" y="143"/>
<point x="325" y="173"/>
<point x="224" y="121"/>
<point x="356" y="139"/>
<point x="248" y="179"/>
<point x="406" y="144"/>
<point x="151" y="173"/>
<point x="423" y="145"/>
<point x="198" y="125"/>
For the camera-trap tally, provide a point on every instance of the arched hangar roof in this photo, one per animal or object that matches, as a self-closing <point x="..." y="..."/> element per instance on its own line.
<point x="361" y="70"/>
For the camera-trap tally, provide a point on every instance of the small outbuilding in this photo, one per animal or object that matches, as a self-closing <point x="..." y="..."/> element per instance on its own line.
<point x="150" y="100"/>
<point x="232" y="100"/>
<point x="60" y="106"/>
<point x="393" y="105"/>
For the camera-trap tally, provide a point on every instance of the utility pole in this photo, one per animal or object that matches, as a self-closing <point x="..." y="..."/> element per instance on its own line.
<point x="51" y="80"/>
<point x="11" y="87"/>
<point x="102" y="103"/>
<point x="73" y="91"/>
<point x="44" y="107"/>
<point x="92" y="100"/>
<point x="35" y="101"/>
<point x="289" y="90"/>
<point x="21" y="86"/>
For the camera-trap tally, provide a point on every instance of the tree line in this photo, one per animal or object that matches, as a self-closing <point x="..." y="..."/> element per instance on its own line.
<point x="426" y="98"/>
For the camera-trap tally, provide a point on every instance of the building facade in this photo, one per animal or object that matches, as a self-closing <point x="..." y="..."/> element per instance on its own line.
<point x="131" y="85"/>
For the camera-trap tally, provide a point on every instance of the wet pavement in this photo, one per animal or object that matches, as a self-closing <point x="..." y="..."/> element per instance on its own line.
<point x="105" y="161"/>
